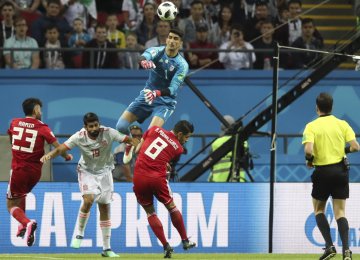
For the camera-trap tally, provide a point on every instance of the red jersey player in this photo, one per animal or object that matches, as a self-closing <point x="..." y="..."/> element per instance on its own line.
<point x="27" y="136"/>
<point x="157" y="148"/>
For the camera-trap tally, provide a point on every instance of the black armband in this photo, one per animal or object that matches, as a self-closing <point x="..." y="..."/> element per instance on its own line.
<point x="165" y="92"/>
<point x="309" y="159"/>
<point x="347" y="149"/>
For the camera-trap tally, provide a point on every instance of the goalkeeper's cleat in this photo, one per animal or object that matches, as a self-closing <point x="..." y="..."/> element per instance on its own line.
<point x="76" y="242"/>
<point x="30" y="232"/>
<point x="129" y="149"/>
<point x="21" y="231"/>
<point x="347" y="255"/>
<point x="329" y="252"/>
<point x="188" y="244"/>
<point x="108" y="253"/>
<point x="168" y="250"/>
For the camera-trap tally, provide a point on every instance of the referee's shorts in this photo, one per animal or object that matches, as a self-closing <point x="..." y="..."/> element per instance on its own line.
<point x="330" y="180"/>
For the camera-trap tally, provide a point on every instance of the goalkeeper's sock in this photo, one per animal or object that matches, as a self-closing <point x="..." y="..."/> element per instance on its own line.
<point x="178" y="222"/>
<point x="157" y="228"/>
<point x="343" y="227"/>
<point x="324" y="228"/>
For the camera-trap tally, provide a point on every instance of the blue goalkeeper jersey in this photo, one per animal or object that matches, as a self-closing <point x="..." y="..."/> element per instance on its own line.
<point x="169" y="73"/>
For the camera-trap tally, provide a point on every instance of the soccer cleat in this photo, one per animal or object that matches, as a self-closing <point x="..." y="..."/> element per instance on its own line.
<point x="76" y="242"/>
<point x="21" y="231"/>
<point x="188" y="244"/>
<point x="347" y="255"/>
<point x="330" y="252"/>
<point x="109" y="253"/>
<point x="168" y="250"/>
<point x="129" y="149"/>
<point x="30" y="232"/>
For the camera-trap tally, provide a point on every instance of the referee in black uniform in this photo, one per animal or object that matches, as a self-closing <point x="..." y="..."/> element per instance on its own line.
<point x="324" y="141"/>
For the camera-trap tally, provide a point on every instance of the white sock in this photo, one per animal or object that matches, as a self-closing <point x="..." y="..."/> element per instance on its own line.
<point x="105" y="226"/>
<point x="82" y="221"/>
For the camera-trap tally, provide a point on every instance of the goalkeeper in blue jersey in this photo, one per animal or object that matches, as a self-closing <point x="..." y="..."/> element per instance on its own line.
<point x="168" y="69"/>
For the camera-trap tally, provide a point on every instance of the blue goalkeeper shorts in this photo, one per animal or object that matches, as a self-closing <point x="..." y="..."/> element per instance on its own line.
<point x="162" y="107"/>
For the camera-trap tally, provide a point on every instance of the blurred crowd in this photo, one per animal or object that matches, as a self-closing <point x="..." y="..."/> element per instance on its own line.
<point x="219" y="34"/>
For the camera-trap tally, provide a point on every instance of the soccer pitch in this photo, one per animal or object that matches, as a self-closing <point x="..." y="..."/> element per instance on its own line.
<point x="175" y="256"/>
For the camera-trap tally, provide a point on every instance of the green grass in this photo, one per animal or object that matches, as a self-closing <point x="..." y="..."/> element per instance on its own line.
<point x="184" y="256"/>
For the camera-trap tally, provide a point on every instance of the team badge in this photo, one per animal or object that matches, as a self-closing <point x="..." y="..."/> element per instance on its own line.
<point x="153" y="53"/>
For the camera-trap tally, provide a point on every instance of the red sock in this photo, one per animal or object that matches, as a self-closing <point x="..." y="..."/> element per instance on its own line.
<point x="178" y="222"/>
<point x="157" y="228"/>
<point x="19" y="215"/>
<point x="23" y="203"/>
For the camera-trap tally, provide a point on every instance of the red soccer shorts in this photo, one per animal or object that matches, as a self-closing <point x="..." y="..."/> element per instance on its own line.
<point x="146" y="188"/>
<point x="21" y="183"/>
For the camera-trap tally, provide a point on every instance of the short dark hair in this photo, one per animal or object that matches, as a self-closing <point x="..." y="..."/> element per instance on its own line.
<point x="90" y="117"/>
<point x="237" y="26"/>
<point x="195" y="2"/>
<point x="306" y="21"/>
<point x="7" y="3"/>
<point x="29" y="104"/>
<point x="294" y="2"/>
<point x="51" y="26"/>
<point x="184" y="127"/>
<point x="324" y="102"/>
<point x="57" y="2"/>
<point x="178" y="32"/>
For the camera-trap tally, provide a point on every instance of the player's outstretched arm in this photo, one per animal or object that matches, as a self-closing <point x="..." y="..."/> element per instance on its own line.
<point x="61" y="149"/>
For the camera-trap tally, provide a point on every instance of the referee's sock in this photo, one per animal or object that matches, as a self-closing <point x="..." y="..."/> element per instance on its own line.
<point x="343" y="227"/>
<point x="324" y="228"/>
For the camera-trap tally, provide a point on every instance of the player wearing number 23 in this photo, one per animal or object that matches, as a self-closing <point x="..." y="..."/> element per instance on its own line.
<point x="27" y="136"/>
<point x="157" y="148"/>
<point x="168" y="69"/>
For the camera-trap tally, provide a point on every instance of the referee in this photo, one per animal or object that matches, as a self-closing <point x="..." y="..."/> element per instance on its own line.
<point x="324" y="141"/>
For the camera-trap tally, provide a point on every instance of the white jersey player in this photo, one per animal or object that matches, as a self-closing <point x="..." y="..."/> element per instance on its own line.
<point x="94" y="174"/>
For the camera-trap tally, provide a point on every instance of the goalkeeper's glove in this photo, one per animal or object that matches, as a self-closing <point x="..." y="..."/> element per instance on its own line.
<point x="147" y="64"/>
<point x="150" y="95"/>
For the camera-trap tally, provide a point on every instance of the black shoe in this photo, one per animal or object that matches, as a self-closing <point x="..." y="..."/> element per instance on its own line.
<point x="330" y="252"/>
<point x="188" y="244"/>
<point x="168" y="250"/>
<point x="347" y="255"/>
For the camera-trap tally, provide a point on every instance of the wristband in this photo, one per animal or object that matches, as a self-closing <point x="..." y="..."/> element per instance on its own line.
<point x="309" y="159"/>
<point x="347" y="149"/>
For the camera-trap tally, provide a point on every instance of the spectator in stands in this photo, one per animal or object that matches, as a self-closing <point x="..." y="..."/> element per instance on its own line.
<point x="198" y="59"/>
<point x="306" y="41"/>
<point x="220" y="32"/>
<point x="264" y="59"/>
<point x="114" y="35"/>
<point x="52" y="17"/>
<point x="162" y="31"/>
<point x="175" y="22"/>
<point x="210" y="12"/>
<point x="21" y="59"/>
<point x="187" y="25"/>
<point x="102" y="58"/>
<point x="147" y="27"/>
<point x="237" y="60"/>
<point x="253" y="24"/>
<point x="132" y="11"/>
<point x="26" y="5"/>
<point x="7" y="29"/>
<point x="53" y="58"/>
<point x="288" y="33"/>
<point x="72" y="9"/>
<point x="283" y="15"/>
<point x="78" y="39"/>
<point x="125" y="172"/>
<point x="130" y="60"/>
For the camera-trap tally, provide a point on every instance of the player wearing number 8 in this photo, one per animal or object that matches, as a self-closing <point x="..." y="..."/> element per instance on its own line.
<point x="157" y="148"/>
<point x="27" y="136"/>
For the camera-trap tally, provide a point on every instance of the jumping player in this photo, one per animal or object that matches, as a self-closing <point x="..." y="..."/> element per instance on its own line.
<point x="27" y="136"/>
<point x="94" y="174"/>
<point x="168" y="69"/>
<point x="157" y="148"/>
